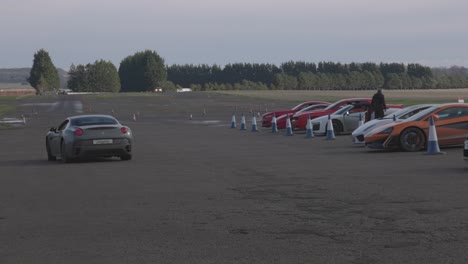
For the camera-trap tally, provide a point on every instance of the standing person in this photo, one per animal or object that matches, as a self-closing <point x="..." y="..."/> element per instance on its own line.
<point x="378" y="104"/>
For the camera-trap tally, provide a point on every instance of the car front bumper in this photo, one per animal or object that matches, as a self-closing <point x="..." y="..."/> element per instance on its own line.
<point x="389" y="142"/>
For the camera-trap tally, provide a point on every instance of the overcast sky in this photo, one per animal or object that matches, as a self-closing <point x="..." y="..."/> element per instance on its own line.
<point x="430" y="32"/>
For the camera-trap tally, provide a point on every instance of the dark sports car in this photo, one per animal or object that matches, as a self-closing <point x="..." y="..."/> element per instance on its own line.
<point x="89" y="136"/>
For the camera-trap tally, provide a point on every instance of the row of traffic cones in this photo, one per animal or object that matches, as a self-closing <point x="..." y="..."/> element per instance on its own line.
<point x="289" y="131"/>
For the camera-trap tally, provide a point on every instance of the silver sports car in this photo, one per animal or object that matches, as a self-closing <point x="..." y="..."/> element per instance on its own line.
<point x="89" y="136"/>
<point x="345" y="119"/>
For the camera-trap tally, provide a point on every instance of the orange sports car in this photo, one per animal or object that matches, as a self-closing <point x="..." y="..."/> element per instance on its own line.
<point x="451" y="124"/>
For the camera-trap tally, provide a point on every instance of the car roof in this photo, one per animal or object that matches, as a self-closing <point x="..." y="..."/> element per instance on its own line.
<point x="82" y="116"/>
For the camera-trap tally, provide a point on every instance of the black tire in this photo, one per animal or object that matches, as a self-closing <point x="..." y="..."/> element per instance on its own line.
<point x="337" y="126"/>
<point x="126" y="157"/>
<point x="65" y="159"/>
<point x="50" y="157"/>
<point x="412" y="139"/>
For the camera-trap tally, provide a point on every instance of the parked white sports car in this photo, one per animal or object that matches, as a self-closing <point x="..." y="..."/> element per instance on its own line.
<point x="344" y="120"/>
<point x="360" y="132"/>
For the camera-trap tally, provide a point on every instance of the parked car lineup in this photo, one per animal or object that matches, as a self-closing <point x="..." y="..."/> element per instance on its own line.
<point x="299" y="122"/>
<point x="404" y="128"/>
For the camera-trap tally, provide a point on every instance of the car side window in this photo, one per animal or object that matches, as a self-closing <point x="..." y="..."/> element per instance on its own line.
<point x="452" y="113"/>
<point x="63" y="125"/>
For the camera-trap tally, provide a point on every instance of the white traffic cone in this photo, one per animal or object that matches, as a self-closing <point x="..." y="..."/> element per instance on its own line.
<point x="254" y="123"/>
<point x="233" y="121"/>
<point x="274" y="126"/>
<point x="330" y="132"/>
<point x="361" y="122"/>
<point x="24" y="119"/>
<point x="134" y="117"/>
<point x="309" y="129"/>
<point x="191" y="116"/>
<point x="432" y="144"/>
<point x="243" y="122"/>
<point x="289" y="131"/>
<point x="461" y="99"/>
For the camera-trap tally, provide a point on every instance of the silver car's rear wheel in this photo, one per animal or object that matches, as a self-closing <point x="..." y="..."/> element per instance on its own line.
<point x="50" y="157"/>
<point x="126" y="157"/>
<point x="63" y="153"/>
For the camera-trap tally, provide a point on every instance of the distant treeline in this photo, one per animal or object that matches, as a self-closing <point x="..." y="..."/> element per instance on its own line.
<point x="147" y="71"/>
<point x="309" y="76"/>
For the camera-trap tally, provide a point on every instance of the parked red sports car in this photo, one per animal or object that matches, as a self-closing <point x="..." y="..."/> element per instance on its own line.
<point x="281" y="120"/>
<point x="299" y="121"/>
<point x="267" y="117"/>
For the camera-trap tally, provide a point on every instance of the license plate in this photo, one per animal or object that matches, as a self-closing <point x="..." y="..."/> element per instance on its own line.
<point x="102" y="141"/>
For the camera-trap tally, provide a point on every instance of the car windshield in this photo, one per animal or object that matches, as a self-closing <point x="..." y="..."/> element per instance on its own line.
<point x="299" y="106"/>
<point x="334" y="105"/>
<point x="424" y="113"/>
<point x="343" y="110"/>
<point x="310" y="108"/>
<point x="407" y="112"/>
<point x="342" y="102"/>
<point x="93" y="120"/>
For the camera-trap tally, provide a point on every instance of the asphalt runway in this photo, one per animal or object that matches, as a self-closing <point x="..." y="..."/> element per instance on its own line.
<point x="198" y="191"/>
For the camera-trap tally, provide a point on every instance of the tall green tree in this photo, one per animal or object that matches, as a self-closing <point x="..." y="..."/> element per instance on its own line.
<point x="143" y="71"/>
<point x="101" y="76"/>
<point x="43" y="76"/>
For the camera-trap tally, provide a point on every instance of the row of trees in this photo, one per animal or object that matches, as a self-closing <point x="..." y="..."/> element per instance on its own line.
<point x="188" y="74"/>
<point x="145" y="71"/>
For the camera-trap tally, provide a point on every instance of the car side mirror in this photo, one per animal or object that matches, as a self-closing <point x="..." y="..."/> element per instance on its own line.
<point x="346" y="114"/>
<point x="53" y="129"/>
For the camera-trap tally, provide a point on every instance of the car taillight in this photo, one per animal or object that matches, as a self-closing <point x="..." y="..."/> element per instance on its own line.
<point x="124" y="130"/>
<point x="79" y="132"/>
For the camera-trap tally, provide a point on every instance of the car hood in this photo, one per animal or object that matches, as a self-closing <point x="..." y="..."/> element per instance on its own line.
<point x="383" y="127"/>
<point x="370" y="125"/>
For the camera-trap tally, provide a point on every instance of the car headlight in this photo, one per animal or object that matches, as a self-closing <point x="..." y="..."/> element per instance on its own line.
<point x="386" y="131"/>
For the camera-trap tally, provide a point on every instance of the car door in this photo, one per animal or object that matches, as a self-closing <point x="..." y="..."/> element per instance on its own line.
<point x="56" y="136"/>
<point x="452" y="125"/>
<point x="351" y="120"/>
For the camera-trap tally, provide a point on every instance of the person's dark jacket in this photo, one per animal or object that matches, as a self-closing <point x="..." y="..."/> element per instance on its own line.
<point x="378" y="104"/>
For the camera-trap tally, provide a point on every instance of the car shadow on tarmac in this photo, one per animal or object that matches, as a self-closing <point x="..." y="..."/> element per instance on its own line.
<point x="45" y="162"/>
